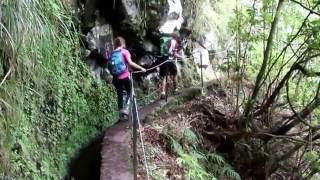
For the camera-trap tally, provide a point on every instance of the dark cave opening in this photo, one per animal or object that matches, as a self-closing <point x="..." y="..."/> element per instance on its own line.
<point x="86" y="165"/>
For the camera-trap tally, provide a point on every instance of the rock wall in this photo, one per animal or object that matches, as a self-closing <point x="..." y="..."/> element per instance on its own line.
<point x="50" y="106"/>
<point x="141" y="23"/>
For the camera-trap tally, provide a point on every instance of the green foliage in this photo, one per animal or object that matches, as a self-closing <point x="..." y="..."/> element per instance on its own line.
<point x="147" y="96"/>
<point x="279" y="86"/>
<point x="220" y="168"/>
<point x="200" y="165"/>
<point x="175" y="146"/>
<point x="195" y="170"/>
<point x="209" y="16"/>
<point x="206" y="166"/>
<point x="190" y="137"/>
<point x="313" y="160"/>
<point x="50" y="106"/>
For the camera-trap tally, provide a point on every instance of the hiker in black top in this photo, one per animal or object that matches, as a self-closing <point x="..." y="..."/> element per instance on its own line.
<point x="168" y="50"/>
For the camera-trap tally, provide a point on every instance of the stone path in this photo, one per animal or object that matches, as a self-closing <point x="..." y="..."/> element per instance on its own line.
<point x="116" y="150"/>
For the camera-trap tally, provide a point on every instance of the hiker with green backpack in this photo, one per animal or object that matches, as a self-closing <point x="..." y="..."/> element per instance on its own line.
<point x="168" y="51"/>
<point x="119" y="60"/>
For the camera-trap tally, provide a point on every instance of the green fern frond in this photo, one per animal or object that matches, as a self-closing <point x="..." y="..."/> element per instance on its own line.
<point x="231" y="174"/>
<point x="195" y="170"/>
<point x="190" y="136"/>
<point x="216" y="159"/>
<point x="174" y="145"/>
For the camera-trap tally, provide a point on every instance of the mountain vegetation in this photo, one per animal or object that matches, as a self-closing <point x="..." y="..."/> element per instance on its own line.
<point x="260" y="120"/>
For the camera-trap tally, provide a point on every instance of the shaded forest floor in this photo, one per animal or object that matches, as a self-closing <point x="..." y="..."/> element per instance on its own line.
<point x="199" y="115"/>
<point x="205" y="127"/>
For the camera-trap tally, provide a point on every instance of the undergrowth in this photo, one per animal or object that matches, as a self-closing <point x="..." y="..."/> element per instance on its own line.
<point x="50" y="106"/>
<point x="198" y="163"/>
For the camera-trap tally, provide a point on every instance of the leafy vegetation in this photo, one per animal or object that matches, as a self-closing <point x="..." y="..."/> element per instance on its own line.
<point x="50" y="106"/>
<point x="200" y="165"/>
<point x="277" y="48"/>
<point x="271" y="126"/>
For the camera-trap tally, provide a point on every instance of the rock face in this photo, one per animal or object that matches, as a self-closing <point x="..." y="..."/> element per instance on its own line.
<point x="100" y="36"/>
<point x="143" y="18"/>
<point x="173" y="19"/>
<point x="141" y="23"/>
<point x="201" y="56"/>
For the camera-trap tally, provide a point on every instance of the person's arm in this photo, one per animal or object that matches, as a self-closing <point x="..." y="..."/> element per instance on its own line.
<point x="173" y="47"/>
<point x="128" y="59"/>
<point x="135" y="65"/>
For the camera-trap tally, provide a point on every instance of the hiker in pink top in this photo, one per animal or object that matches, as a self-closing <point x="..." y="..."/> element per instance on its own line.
<point x="121" y="79"/>
<point x="126" y="55"/>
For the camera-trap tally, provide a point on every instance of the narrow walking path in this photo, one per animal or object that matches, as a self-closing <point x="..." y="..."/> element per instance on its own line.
<point x="116" y="148"/>
<point x="115" y="154"/>
<point x="116" y="159"/>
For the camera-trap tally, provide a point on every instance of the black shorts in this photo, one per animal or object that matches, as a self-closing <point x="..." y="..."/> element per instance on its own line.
<point x="168" y="69"/>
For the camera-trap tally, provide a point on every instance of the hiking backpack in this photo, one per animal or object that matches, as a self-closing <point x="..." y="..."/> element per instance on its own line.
<point x="165" y="43"/>
<point x="116" y="65"/>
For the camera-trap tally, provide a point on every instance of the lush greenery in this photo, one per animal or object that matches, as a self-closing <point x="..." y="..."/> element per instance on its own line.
<point x="277" y="49"/>
<point x="200" y="164"/>
<point x="50" y="106"/>
<point x="272" y="71"/>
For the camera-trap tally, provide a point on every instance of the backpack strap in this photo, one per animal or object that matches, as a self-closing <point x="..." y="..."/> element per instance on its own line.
<point x="116" y="51"/>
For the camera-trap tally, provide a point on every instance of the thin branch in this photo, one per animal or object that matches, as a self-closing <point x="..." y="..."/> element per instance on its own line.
<point x="295" y="112"/>
<point x="286" y="47"/>
<point x="289" y="138"/>
<point x="6" y="76"/>
<point x="5" y="103"/>
<point x="295" y="119"/>
<point x="258" y="135"/>
<point x="308" y="73"/>
<point x="305" y="7"/>
<point x="289" y="43"/>
<point x="277" y="90"/>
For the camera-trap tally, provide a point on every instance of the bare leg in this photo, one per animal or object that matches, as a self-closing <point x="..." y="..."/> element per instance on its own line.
<point x="163" y="87"/>
<point x="174" y="80"/>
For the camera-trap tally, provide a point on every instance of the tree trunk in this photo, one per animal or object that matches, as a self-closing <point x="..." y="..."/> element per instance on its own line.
<point x="247" y="116"/>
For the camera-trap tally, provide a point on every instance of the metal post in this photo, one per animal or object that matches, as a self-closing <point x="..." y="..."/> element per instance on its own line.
<point x="134" y="132"/>
<point x="201" y="73"/>
<point x="135" y="127"/>
<point x="166" y="79"/>
<point x="138" y="125"/>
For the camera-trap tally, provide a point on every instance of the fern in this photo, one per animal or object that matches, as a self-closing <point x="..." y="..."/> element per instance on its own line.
<point x="220" y="168"/>
<point x="199" y="165"/>
<point x="231" y="174"/>
<point x="216" y="159"/>
<point x="175" y="146"/>
<point x="195" y="170"/>
<point x="190" y="136"/>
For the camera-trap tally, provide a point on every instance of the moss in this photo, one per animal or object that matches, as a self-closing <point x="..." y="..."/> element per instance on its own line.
<point x="50" y="106"/>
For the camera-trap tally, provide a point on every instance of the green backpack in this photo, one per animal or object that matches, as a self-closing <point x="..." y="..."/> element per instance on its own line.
<point x="165" y="43"/>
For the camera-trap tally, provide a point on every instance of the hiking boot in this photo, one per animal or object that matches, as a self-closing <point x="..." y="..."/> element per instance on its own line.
<point x="124" y="117"/>
<point x="176" y="91"/>
<point x="125" y="111"/>
<point x="163" y="95"/>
